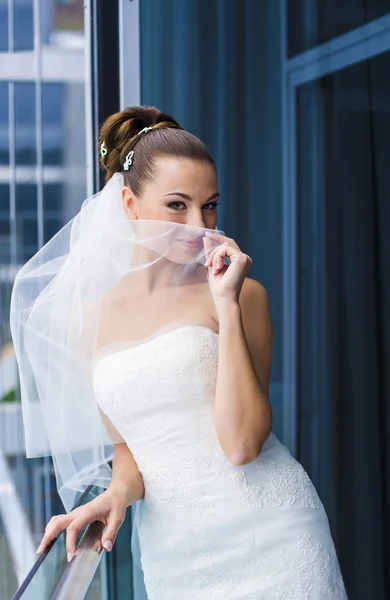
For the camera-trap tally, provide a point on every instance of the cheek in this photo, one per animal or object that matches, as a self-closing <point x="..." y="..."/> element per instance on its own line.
<point x="211" y="219"/>
<point x="151" y="212"/>
<point x="161" y="213"/>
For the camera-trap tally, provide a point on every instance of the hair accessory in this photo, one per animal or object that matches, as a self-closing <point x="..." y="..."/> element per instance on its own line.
<point x="129" y="158"/>
<point x="103" y="149"/>
<point x="129" y="161"/>
<point x="145" y="130"/>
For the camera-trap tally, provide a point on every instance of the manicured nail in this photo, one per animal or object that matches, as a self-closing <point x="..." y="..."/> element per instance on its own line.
<point x="107" y="545"/>
<point x="69" y="556"/>
<point x="39" y="549"/>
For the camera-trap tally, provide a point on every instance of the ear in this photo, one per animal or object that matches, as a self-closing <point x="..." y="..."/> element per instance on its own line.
<point x="129" y="203"/>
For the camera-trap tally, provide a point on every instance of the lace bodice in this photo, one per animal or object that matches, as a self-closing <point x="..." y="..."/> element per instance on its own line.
<point x="209" y="529"/>
<point x="147" y="388"/>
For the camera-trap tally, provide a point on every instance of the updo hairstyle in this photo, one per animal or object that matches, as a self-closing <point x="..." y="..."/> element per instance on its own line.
<point x="125" y="146"/>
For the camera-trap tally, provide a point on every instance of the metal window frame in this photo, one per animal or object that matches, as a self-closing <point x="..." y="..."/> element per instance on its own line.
<point x="362" y="43"/>
<point x="56" y="65"/>
<point x="129" y="53"/>
<point x="103" y="98"/>
<point x="130" y="95"/>
<point x="38" y="66"/>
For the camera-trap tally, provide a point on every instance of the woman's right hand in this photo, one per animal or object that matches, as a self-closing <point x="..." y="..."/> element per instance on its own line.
<point x="109" y="508"/>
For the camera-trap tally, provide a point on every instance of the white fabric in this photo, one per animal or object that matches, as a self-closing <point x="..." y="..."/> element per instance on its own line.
<point x="208" y="529"/>
<point x="104" y="280"/>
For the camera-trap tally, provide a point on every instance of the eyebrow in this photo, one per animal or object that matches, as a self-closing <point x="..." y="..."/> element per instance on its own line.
<point x="187" y="197"/>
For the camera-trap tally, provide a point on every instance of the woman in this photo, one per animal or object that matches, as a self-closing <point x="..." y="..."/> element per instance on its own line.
<point x="176" y="345"/>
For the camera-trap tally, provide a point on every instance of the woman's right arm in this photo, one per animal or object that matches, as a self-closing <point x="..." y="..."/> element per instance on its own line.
<point x="109" y="507"/>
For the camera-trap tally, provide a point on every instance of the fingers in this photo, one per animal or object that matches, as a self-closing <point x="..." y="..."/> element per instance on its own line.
<point x="216" y="256"/>
<point x="215" y="260"/>
<point x="208" y="245"/>
<point x="53" y="529"/>
<point x="73" y="522"/>
<point x="72" y="532"/>
<point x="220" y="238"/>
<point x="96" y="510"/>
<point x="82" y="516"/>
<point x="210" y="250"/>
<point x="111" y="531"/>
<point x="218" y="261"/>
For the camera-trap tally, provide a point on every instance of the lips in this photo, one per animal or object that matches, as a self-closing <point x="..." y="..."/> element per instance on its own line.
<point x="192" y="242"/>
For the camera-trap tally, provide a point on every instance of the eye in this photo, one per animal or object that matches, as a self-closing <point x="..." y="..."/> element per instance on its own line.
<point x="211" y="206"/>
<point x="177" y="205"/>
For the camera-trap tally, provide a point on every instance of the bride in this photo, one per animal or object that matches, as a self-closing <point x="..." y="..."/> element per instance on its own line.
<point x="150" y="346"/>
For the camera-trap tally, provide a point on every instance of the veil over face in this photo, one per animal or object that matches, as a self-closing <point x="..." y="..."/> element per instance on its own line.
<point x="101" y="284"/>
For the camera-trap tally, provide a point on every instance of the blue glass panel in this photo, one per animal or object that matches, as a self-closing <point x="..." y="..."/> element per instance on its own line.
<point x="3" y="26"/>
<point x="4" y="130"/>
<point x="313" y="22"/>
<point x="25" y="124"/>
<point x="53" y="122"/>
<point x="24" y="24"/>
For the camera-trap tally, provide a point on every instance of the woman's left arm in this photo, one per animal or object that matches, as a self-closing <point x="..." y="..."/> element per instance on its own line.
<point x="243" y="414"/>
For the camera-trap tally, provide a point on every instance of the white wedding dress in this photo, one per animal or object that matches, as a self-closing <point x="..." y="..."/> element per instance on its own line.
<point x="209" y="529"/>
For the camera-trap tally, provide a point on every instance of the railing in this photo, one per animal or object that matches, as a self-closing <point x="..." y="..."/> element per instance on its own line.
<point x="53" y="578"/>
<point x="78" y="575"/>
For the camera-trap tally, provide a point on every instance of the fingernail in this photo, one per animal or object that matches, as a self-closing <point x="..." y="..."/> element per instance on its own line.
<point x="107" y="545"/>
<point x="39" y="549"/>
<point x="69" y="556"/>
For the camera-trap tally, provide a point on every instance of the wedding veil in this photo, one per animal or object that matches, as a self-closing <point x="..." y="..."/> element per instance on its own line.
<point x="101" y="283"/>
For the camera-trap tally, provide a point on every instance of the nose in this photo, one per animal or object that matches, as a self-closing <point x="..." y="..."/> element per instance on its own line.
<point x="195" y="219"/>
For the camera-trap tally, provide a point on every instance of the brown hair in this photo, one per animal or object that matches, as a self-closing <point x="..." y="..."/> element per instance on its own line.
<point x="119" y="133"/>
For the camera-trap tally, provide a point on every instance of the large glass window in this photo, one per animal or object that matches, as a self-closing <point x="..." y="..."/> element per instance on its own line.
<point x="342" y="124"/>
<point x="343" y="140"/>
<point x="42" y="185"/>
<point x="313" y="22"/>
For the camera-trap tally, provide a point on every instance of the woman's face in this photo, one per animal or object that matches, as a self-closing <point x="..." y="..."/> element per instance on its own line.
<point x="183" y="191"/>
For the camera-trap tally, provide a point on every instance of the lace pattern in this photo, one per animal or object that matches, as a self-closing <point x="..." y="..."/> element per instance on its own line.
<point x="307" y="565"/>
<point x="210" y="530"/>
<point x="286" y="485"/>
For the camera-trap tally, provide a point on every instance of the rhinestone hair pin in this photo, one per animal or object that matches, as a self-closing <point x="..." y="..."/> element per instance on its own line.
<point x="145" y="130"/>
<point x="103" y="149"/>
<point x="129" y="161"/>
<point x="129" y="158"/>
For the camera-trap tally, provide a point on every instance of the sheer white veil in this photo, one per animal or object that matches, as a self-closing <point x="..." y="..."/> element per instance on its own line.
<point x="101" y="282"/>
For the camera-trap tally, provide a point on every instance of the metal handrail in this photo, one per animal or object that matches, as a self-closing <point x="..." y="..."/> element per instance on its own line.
<point x="79" y="572"/>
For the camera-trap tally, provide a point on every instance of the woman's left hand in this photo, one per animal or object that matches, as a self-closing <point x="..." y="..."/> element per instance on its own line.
<point x="225" y="280"/>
